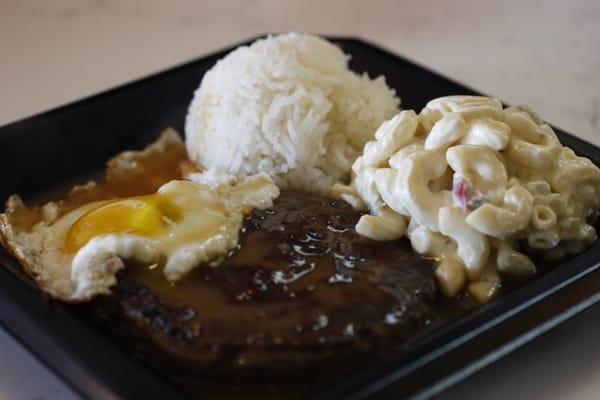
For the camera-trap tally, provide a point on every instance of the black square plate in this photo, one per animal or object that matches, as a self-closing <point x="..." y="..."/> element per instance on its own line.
<point x="68" y="144"/>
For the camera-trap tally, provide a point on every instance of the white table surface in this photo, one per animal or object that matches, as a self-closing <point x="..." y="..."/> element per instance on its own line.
<point x="542" y="53"/>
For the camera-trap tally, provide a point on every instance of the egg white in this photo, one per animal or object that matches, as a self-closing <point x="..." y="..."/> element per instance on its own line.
<point x="207" y="229"/>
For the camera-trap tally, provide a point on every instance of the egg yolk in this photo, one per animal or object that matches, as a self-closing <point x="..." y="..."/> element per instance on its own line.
<point x="147" y="216"/>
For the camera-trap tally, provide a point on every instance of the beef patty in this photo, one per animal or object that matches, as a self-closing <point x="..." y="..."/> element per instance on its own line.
<point x="301" y="291"/>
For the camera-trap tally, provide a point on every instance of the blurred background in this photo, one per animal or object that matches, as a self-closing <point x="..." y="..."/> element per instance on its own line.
<point x="542" y="53"/>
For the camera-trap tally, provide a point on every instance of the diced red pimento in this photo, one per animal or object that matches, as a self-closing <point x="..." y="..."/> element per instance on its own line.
<point x="465" y="196"/>
<point x="460" y="190"/>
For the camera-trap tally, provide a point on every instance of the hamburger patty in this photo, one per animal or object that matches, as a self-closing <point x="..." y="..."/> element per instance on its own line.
<point x="301" y="291"/>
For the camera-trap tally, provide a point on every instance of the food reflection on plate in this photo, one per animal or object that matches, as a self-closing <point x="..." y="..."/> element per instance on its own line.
<point x="306" y="219"/>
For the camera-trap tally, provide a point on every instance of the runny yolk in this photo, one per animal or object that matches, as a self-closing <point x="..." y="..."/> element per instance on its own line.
<point x="148" y="216"/>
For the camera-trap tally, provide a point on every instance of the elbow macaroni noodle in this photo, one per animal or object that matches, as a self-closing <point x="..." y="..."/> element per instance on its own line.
<point x="472" y="185"/>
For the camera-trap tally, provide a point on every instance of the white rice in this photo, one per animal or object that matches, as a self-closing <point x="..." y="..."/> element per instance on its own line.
<point x="289" y="106"/>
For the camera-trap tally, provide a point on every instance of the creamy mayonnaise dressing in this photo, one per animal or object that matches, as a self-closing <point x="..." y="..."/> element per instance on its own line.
<point x="475" y="186"/>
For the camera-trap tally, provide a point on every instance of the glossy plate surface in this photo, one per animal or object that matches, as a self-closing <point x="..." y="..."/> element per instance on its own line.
<point x="70" y="143"/>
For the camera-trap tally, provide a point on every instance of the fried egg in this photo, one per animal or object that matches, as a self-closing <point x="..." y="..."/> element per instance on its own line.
<point x="181" y="226"/>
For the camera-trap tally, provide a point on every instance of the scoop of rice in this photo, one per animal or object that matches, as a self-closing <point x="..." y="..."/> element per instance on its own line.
<point x="289" y="106"/>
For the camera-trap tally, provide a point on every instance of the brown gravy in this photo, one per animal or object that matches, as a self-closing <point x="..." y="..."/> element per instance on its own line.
<point x="300" y="274"/>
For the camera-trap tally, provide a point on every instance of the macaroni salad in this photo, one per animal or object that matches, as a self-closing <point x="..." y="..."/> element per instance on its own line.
<point x="474" y="186"/>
